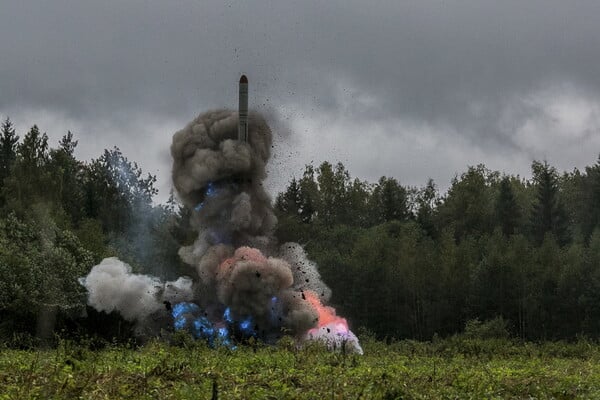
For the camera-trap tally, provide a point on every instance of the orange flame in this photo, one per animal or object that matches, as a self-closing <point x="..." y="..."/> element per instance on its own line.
<point x="326" y="314"/>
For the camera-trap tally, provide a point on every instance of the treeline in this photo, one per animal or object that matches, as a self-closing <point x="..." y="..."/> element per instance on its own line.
<point x="60" y="216"/>
<point x="403" y="262"/>
<point x="412" y="263"/>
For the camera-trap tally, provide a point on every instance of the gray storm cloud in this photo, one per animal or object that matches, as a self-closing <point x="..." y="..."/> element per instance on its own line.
<point x="455" y="67"/>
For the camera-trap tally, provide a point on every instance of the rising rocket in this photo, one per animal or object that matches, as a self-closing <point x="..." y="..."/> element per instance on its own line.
<point x="243" y="110"/>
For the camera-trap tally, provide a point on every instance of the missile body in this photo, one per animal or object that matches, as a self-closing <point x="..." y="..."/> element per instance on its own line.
<point x="243" y="110"/>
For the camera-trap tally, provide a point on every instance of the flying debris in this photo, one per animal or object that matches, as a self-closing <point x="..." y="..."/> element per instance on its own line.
<point x="244" y="284"/>
<point x="243" y="110"/>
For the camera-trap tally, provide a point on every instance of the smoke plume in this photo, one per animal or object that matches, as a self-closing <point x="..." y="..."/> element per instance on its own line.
<point x="244" y="283"/>
<point x="112" y="286"/>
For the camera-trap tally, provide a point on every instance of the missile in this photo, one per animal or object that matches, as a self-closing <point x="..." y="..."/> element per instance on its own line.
<point x="243" y="110"/>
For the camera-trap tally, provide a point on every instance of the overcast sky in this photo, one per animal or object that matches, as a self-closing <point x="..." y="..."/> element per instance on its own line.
<point x="406" y="89"/>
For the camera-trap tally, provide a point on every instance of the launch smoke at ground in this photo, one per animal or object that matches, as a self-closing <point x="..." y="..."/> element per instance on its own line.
<point x="112" y="287"/>
<point x="244" y="282"/>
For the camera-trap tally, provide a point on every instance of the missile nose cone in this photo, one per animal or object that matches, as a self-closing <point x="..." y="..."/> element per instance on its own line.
<point x="243" y="79"/>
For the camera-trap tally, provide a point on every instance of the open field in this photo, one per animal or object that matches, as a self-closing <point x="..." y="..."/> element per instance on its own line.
<point x="454" y="368"/>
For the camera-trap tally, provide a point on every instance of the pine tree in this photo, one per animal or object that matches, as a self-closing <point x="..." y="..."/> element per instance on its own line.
<point x="8" y="148"/>
<point x="389" y="201"/>
<point x="289" y="201"/>
<point x="34" y="149"/>
<point x="427" y="202"/>
<point x="548" y="214"/>
<point x="468" y="204"/>
<point x="359" y="195"/>
<point x="591" y="206"/>
<point x="507" y="210"/>
<point x="29" y="180"/>
<point x="67" y="176"/>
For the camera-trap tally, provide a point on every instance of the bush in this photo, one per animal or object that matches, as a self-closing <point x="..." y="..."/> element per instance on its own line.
<point x="496" y="328"/>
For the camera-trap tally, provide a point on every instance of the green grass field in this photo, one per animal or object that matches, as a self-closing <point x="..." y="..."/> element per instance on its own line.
<point x="451" y="369"/>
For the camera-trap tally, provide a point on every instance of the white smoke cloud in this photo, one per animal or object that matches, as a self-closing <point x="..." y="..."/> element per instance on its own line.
<point x="112" y="287"/>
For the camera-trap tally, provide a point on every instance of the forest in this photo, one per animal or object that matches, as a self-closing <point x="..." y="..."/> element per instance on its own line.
<point x="497" y="254"/>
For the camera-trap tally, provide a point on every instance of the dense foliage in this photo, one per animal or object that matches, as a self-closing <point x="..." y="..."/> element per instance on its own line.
<point x="456" y="368"/>
<point x="404" y="262"/>
<point x="59" y="217"/>
<point x="411" y="263"/>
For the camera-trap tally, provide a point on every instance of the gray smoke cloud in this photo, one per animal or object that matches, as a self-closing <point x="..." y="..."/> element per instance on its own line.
<point x="236" y="256"/>
<point x="222" y="178"/>
<point x="238" y="263"/>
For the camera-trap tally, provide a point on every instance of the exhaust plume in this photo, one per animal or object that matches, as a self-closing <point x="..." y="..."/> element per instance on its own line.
<point x="244" y="283"/>
<point x="112" y="286"/>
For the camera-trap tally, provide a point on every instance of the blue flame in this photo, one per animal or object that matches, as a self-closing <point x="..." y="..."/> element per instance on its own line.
<point x="209" y="192"/>
<point x="188" y="316"/>
<point x="180" y="313"/>
<point x="223" y="332"/>
<point x="246" y="327"/>
<point x="181" y="308"/>
<point x="203" y="328"/>
<point x="224" y="339"/>
<point x="227" y="316"/>
<point x="245" y="324"/>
